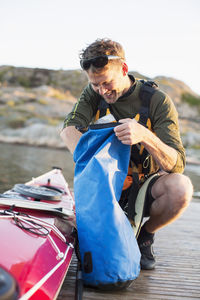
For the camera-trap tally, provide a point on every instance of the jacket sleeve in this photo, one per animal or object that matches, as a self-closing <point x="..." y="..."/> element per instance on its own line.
<point x="84" y="110"/>
<point x="164" y="118"/>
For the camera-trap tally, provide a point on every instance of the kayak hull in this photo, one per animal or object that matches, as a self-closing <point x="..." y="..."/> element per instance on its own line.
<point x="39" y="263"/>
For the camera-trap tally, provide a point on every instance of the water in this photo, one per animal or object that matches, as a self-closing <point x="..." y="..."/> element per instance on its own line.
<point x="193" y="171"/>
<point x="19" y="164"/>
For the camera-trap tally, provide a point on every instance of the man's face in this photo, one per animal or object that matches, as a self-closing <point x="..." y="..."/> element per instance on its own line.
<point x="109" y="83"/>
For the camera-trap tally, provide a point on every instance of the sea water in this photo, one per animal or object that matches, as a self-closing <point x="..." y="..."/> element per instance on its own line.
<point x="19" y="163"/>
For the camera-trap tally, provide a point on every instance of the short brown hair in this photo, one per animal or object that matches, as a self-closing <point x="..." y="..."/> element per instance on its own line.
<point x="102" y="47"/>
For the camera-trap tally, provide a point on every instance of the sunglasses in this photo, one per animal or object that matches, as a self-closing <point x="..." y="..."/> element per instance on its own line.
<point x="97" y="62"/>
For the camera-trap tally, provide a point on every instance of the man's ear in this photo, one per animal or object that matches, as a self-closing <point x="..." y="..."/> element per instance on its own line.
<point x="124" y="69"/>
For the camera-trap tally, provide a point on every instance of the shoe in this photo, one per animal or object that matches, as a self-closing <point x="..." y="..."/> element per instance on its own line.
<point x="145" y="242"/>
<point x="147" y="261"/>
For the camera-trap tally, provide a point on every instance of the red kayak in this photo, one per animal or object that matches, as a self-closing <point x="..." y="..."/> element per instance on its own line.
<point x="37" y="223"/>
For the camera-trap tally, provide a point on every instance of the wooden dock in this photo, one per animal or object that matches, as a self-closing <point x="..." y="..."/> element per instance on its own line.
<point x="177" y="273"/>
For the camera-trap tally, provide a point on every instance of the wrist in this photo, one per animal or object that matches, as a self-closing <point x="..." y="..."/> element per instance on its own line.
<point x="146" y="136"/>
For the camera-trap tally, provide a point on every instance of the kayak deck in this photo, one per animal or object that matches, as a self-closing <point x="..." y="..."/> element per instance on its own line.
<point x="177" y="273"/>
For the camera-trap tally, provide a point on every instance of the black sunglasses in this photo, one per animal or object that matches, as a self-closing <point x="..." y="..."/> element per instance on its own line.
<point x="97" y="62"/>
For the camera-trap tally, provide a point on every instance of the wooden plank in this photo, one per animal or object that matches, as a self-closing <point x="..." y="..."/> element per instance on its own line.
<point x="177" y="273"/>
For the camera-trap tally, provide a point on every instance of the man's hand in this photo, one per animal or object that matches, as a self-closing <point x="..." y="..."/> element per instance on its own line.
<point x="70" y="135"/>
<point x="130" y="132"/>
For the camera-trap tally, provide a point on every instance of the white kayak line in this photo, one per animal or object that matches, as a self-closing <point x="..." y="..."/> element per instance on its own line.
<point x="59" y="256"/>
<point x="46" y="277"/>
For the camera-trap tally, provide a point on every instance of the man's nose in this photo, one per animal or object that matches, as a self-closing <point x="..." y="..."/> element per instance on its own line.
<point x="102" y="90"/>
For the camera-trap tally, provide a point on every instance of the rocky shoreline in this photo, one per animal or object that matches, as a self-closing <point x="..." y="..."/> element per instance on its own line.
<point x="34" y="103"/>
<point x="34" y="135"/>
<point x="43" y="135"/>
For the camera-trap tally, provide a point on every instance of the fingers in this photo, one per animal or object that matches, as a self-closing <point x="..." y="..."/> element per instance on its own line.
<point x="123" y="131"/>
<point x="124" y="124"/>
<point x="126" y="141"/>
<point x="128" y="132"/>
<point x="125" y="120"/>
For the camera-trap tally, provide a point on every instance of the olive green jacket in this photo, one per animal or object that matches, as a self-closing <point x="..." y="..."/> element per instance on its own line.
<point x="163" y="115"/>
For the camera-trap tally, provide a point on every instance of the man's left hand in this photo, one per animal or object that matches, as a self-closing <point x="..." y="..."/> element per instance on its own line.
<point x="130" y="132"/>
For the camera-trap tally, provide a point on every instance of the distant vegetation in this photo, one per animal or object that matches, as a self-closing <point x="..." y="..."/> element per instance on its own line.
<point x="191" y="99"/>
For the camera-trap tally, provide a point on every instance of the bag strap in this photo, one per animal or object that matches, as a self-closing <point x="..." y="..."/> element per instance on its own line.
<point x="146" y="92"/>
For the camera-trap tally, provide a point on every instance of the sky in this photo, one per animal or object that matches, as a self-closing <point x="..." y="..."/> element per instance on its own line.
<point x="159" y="37"/>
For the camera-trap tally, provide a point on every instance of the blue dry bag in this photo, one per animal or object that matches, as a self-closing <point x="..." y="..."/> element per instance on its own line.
<point x="110" y="256"/>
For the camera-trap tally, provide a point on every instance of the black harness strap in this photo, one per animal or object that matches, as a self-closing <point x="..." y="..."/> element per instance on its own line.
<point x="147" y="90"/>
<point x="134" y="189"/>
<point x="103" y="106"/>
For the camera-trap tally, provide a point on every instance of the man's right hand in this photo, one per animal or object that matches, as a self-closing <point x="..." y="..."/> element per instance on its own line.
<point x="70" y="135"/>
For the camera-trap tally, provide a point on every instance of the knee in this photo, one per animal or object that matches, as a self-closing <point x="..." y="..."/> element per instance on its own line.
<point x="180" y="189"/>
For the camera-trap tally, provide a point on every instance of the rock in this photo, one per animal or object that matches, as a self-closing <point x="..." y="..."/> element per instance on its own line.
<point x="191" y="139"/>
<point x="186" y="111"/>
<point x="71" y="80"/>
<point x="36" y="135"/>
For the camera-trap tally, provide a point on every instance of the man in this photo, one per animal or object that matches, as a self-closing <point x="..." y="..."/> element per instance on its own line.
<point x="170" y="192"/>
